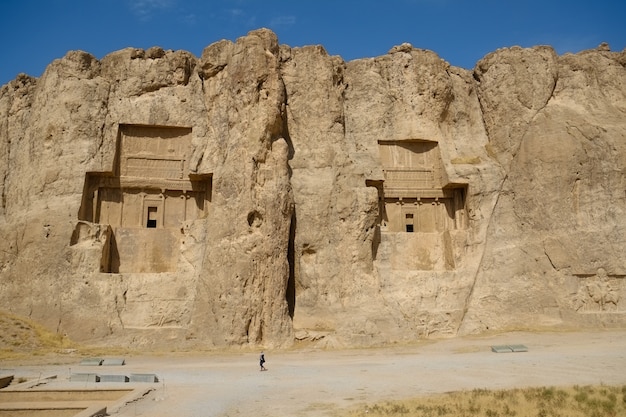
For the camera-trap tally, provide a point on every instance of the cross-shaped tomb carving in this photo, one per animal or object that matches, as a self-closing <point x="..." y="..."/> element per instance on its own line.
<point x="416" y="195"/>
<point x="146" y="198"/>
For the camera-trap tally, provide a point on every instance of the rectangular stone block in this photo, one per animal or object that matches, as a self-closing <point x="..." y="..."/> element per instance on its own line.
<point x="113" y="362"/>
<point x="501" y="349"/>
<point x="114" y="378"/>
<point x="518" y="348"/>
<point x="509" y="348"/>
<point x="84" y="378"/>
<point x="143" y="378"/>
<point x="91" y="362"/>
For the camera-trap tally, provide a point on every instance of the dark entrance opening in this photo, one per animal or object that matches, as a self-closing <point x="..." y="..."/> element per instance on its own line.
<point x="152" y="218"/>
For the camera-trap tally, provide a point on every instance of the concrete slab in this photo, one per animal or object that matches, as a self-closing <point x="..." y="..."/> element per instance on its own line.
<point x="50" y="405"/>
<point x="85" y="378"/>
<point x="29" y="383"/>
<point x="114" y="378"/>
<point x="65" y="403"/>
<point x="40" y="409"/>
<point x="143" y="378"/>
<point x="509" y="348"/>
<point x="519" y="348"/>
<point x="501" y="349"/>
<point x="59" y="395"/>
<point x="113" y="362"/>
<point x="91" y="362"/>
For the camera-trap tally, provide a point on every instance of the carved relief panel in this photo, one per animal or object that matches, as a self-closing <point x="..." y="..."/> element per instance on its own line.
<point x="154" y="152"/>
<point x="601" y="292"/>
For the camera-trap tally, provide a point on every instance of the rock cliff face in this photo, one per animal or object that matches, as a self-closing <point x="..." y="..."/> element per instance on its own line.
<point x="262" y="195"/>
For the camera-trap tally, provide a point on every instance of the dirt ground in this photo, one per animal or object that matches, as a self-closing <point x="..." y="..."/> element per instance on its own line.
<point x="315" y="383"/>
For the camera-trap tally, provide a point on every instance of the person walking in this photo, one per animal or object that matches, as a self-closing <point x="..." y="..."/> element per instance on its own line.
<point x="262" y="361"/>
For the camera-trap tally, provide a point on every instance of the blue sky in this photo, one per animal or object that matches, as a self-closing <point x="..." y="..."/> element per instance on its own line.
<point x="35" y="32"/>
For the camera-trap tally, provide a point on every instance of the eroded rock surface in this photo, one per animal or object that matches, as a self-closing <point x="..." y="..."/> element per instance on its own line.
<point x="262" y="194"/>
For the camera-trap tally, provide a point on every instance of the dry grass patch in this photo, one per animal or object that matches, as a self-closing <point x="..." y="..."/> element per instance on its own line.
<point x="20" y="337"/>
<point x="576" y="401"/>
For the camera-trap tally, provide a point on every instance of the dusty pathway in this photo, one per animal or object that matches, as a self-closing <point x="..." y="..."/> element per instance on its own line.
<point x="320" y="383"/>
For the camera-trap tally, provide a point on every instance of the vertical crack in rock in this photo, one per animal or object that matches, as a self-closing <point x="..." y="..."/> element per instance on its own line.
<point x="99" y="151"/>
<point x="5" y="145"/>
<point x="549" y="258"/>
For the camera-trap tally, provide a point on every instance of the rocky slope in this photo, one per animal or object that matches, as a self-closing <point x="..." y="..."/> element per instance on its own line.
<point x="263" y="194"/>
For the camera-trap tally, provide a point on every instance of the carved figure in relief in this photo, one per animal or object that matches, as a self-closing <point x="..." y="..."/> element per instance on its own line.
<point x="601" y="292"/>
<point x="597" y="294"/>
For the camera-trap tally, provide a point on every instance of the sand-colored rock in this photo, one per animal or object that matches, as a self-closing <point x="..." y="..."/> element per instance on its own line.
<point x="262" y="194"/>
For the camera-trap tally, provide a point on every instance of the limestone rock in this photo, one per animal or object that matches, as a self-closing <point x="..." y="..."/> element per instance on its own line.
<point x="266" y="195"/>
<point x="558" y="228"/>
